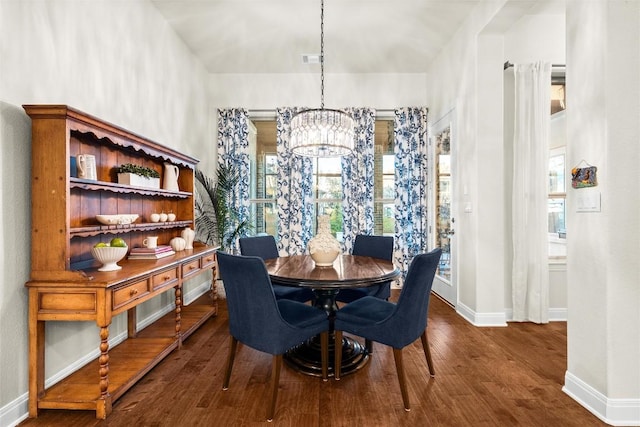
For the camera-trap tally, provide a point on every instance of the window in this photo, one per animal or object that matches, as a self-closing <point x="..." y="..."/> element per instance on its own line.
<point x="556" y="204"/>
<point x="264" y="170"/>
<point x="384" y="179"/>
<point x="327" y="197"/>
<point x="327" y="181"/>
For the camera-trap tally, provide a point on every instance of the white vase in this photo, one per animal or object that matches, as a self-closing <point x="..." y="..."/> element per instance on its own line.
<point x="188" y="235"/>
<point x="324" y="248"/>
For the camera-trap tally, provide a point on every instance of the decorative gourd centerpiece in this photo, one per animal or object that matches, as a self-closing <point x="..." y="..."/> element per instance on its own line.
<point x="324" y="248"/>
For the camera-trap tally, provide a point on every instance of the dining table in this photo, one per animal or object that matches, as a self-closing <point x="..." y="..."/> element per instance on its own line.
<point x="347" y="271"/>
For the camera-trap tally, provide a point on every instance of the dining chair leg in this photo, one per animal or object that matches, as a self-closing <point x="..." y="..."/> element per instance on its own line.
<point x="427" y="353"/>
<point x="337" y="350"/>
<point x="324" y="357"/>
<point x="275" y="381"/>
<point x="233" y="344"/>
<point x="397" y="355"/>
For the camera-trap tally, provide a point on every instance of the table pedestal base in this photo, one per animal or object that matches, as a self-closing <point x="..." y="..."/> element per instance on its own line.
<point x="305" y="358"/>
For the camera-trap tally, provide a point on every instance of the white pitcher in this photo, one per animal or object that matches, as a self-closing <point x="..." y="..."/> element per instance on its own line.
<point x="170" y="180"/>
<point x="86" y="164"/>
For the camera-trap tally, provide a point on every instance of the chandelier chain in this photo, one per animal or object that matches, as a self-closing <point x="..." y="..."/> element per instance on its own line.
<point x="322" y="54"/>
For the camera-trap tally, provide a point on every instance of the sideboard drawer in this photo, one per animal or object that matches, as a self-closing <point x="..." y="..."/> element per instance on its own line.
<point x="129" y="293"/>
<point x="190" y="268"/>
<point x="165" y="278"/>
<point x="208" y="260"/>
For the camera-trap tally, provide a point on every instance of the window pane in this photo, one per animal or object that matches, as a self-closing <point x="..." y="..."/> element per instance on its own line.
<point x="385" y="220"/>
<point x="271" y="164"/>
<point x="264" y="216"/>
<point x="329" y="187"/>
<point x="388" y="166"/>
<point x="271" y="182"/>
<point x="329" y="165"/>
<point x="556" y="174"/>
<point x="556" y="209"/>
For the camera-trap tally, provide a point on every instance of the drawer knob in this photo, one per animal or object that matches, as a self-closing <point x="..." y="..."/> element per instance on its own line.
<point x="167" y="277"/>
<point x="132" y="292"/>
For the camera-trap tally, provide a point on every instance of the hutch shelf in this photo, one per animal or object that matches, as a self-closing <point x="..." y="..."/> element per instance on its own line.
<point x="65" y="284"/>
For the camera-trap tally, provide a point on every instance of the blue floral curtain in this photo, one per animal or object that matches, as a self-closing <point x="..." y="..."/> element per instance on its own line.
<point x="410" y="149"/>
<point x="295" y="191"/>
<point x="357" y="178"/>
<point x="233" y="150"/>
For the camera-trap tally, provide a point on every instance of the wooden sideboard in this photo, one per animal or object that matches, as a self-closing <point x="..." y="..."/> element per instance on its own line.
<point x="65" y="284"/>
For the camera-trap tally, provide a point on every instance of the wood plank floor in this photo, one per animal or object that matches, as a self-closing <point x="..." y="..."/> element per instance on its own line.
<point x="484" y="377"/>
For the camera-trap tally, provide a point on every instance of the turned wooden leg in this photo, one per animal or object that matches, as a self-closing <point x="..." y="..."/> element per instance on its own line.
<point x="397" y="355"/>
<point x="427" y="353"/>
<point x="103" y="406"/>
<point x="233" y="344"/>
<point x="337" y="350"/>
<point x="275" y="381"/>
<point x="178" y="326"/>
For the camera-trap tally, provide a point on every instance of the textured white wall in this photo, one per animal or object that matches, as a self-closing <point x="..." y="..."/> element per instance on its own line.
<point x="603" y="251"/>
<point x="117" y="60"/>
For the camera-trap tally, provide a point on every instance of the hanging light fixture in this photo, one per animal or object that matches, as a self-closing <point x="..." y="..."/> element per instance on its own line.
<point x="321" y="132"/>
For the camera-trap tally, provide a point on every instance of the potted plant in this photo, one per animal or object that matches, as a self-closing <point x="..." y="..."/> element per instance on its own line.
<point x="218" y="222"/>
<point x="138" y="176"/>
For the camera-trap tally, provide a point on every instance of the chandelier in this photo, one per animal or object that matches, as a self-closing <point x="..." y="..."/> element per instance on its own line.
<point x="321" y="132"/>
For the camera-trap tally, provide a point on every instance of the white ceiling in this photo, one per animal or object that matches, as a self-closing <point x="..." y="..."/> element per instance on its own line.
<point x="270" y="36"/>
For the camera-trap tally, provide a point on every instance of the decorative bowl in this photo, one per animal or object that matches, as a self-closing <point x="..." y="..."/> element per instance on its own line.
<point x="109" y="256"/>
<point x="117" y="219"/>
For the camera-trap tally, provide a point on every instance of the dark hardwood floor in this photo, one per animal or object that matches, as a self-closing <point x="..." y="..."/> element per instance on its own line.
<point x="509" y="376"/>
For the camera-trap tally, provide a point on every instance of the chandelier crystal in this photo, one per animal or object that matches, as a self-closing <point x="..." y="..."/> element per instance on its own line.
<point x="322" y="132"/>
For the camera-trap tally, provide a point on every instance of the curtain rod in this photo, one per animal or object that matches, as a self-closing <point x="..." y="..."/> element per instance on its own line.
<point x="509" y="65"/>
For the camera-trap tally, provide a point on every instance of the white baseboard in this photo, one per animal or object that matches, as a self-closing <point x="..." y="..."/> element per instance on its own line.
<point x="555" y="314"/>
<point x="616" y="412"/>
<point x="13" y="413"/>
<point x="481" y="319"/>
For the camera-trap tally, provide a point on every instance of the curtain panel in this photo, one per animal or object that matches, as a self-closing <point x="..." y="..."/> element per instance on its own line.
<point x="357" y="178"/>
<point x="530" y="270"/>
<point x="233" y="151"/>
<point x="295" y="190"/>
<point x="410" y="149"/>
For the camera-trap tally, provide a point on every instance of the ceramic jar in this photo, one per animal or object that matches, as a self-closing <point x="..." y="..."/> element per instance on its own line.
<point x="188" y="235"/>
<point x="324" y="248"/>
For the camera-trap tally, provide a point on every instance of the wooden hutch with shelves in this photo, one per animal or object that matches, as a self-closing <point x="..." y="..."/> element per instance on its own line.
<point x="65" y="284"/>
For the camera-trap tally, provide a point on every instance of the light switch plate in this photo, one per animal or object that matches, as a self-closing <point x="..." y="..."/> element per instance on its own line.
<point x="588" y="202"/>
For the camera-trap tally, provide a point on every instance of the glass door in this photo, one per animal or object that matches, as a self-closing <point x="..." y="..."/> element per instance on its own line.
<point x="443" y="229"/>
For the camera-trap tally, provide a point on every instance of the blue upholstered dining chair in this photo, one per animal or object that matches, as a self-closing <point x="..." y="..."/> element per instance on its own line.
<point x="258" y="320"/>
<point x="396" y="325"/>
<point x="373" y="246"/>
<point x="265" y="247"/>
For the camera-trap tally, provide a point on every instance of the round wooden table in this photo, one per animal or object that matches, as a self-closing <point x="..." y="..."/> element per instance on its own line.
<point x="347" y="271"/>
